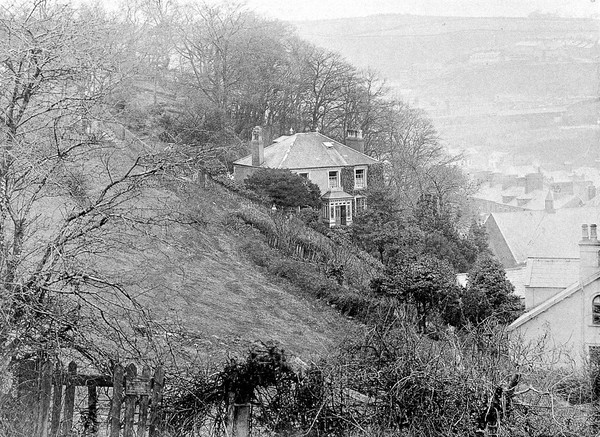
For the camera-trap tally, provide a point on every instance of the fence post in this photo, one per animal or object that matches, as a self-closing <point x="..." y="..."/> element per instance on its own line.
<point x="143" y="415"/>
<point x="57" y="399"/>
<point x="241" y="420"/>
<point x="238" y="420"/>
<point x="117" y="400"/>
<point x="45" y="390"/>
<point x="27" y="390"/>
<point x="69" y="400"/>
<point x="130" y="374"/>
<point x="157" y="387"/>
<point x="90" y="425"/>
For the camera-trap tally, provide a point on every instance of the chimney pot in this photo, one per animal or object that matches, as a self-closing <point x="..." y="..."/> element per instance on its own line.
<point x="593" y="233"/>
<point x="257" y="146"/>
<point x="584" y="232"/>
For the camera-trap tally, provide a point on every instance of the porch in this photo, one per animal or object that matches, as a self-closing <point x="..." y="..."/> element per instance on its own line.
<point x="337" y="208"/>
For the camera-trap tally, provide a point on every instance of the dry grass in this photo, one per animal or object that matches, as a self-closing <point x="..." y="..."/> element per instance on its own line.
<point x="204" y="293"/>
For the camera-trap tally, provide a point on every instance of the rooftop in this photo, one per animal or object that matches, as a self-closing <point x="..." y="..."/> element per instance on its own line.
<point x="308" y="150"/>
<point x="534" y="200"/>
<point x="540" y="234"/>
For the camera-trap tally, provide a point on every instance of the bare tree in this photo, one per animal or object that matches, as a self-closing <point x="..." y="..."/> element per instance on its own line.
<point x="65" y="188"/>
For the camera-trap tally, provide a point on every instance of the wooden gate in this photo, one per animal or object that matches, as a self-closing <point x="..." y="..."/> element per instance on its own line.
<point x="52" y="392"/>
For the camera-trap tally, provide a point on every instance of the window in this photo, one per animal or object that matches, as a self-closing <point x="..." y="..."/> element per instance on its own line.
<point x="359" y="178"/>
<point x="596" y="311"/>
<point x="360" y="204"/>
<point x="333" y="179"/>
<point x="303" y="175"/>
<point x="594" y="355"/>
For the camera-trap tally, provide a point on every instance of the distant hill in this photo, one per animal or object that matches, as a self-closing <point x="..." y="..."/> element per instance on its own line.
<point x="464" y="57"/>
<point x="460" y="69"/>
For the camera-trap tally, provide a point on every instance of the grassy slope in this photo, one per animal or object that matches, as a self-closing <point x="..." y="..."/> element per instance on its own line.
<point x="201" y="279"/>
<point x="198" y="285"/>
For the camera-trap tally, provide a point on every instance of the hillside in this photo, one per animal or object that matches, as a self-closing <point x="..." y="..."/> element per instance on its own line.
<point x="202" y="292"/>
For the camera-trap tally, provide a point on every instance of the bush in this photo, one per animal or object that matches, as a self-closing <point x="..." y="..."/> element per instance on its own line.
<point x="308" y="279"/>
<point x="240" y="189"/>
<point x="286" y="189"/>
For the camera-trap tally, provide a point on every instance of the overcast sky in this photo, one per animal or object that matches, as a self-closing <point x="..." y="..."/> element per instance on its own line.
<point x="325" y="9"/>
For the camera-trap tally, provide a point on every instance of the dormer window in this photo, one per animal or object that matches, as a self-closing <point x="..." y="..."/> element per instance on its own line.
<point x="360" y="181"/>
<point x="596" y="311"/>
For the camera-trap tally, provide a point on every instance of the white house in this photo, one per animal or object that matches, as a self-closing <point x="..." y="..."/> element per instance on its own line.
<point x="566" y="320"/>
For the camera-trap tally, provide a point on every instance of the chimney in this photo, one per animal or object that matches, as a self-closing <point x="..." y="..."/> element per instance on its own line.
<point x="258" y="147"/>
<point x="589" y="252"/>
<point x="549" y="202"/>
<point x="355" y="140"/>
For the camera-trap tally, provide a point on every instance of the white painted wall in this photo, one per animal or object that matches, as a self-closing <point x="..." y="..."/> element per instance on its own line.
<point x="565" y="328"/>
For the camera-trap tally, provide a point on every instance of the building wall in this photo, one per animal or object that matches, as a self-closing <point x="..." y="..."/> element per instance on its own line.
<point x="318" y="176"/>
<point x="591" y="332"/>
<point x="559" y="330"/>
<point x="536" y="295"/>
<point x="565" y="329"/>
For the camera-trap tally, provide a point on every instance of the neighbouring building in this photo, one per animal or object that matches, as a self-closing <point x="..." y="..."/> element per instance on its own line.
<point x="342" y="172"/>
<point x="500" y="192"/>
<point x="549" y="233"/>
<point x="564" y="319"/>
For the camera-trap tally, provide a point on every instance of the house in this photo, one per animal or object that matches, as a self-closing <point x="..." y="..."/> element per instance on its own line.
<point x="566" y="321"/>
<point x="342" y="172"/>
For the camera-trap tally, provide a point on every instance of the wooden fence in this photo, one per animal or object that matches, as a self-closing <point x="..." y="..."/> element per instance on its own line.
<point x="51" y="394"/>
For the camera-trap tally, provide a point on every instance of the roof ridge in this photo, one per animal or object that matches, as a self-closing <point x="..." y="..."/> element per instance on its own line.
<point x="287" y="152"/>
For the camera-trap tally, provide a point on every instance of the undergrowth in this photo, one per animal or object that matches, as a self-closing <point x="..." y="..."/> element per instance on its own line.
<point x="308" y="278"/>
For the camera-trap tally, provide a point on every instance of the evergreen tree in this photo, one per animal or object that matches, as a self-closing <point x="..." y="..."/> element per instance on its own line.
<point x="490" y="294"/>
<point x="427" y="282"/>
<point x="286" y="189"/>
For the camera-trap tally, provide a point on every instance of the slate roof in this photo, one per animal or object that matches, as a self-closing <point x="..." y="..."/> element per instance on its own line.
<point x="336" y="194"/>
<point x="516" y="277"/>
<point x="308" y="150"/>
<point x="543" y="234"/>
<point x="551" y="272"/>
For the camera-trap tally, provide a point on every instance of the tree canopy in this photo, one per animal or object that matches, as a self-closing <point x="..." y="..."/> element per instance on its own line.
<point x="426" y="282"/>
